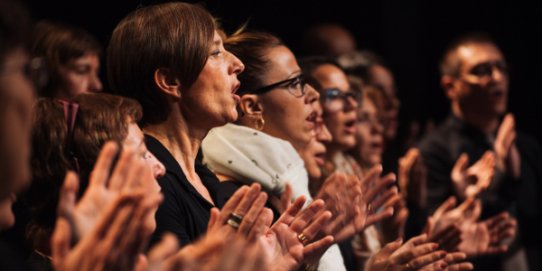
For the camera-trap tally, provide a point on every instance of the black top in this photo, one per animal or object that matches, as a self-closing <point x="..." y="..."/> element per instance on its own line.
<point x="184" y="212"/>
<point x="522" y="197"/>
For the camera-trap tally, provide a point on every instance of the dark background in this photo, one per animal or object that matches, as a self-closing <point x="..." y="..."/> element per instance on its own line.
<point x="409" y="35"/>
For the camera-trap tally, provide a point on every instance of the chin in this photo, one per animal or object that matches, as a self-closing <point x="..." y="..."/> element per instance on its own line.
<point x="7" y="218"/>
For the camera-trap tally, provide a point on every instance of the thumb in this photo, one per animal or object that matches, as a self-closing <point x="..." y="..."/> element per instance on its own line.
<point x="67" y="198"/>
<point x="461" y="163"/>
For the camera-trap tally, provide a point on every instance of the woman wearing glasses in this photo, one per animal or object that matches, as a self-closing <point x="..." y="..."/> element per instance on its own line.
<point x="277" y="121"/>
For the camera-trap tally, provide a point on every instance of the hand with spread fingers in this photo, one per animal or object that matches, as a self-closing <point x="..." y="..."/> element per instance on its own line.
<point x="105" y="185"/>
<point x="415" y="254"/>
<point x="489" y="236"/>
<point x="471" y="181"/>
<point x="380" y="195"/>
<point x="412" y="179"/>
<point x="507" y="155"/>
<point x="114" y="243"/>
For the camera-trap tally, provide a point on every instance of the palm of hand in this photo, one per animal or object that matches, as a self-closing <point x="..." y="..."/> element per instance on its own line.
<point x="282" y="247"/>
<point x="90" y="207"/>
<point x="475" y="238"/>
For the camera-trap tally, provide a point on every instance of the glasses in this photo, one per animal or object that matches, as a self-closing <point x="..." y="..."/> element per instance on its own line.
<point x="295" y="85"/>
<point x="336" y="100"/>
<point x="486" y="69"/>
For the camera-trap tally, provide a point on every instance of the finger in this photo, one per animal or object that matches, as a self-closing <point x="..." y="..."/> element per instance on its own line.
<point x="316" y="225"/>
<point x="380" y="186"/>
<point x="374" y="218"/>
<point x="409" y="254"/>
<point x="467" y="206"/>
<point x="370" y="178"/>
<point x="387" y="199"/>
<point x="466" y="266"/>
<point x="439" y="265"/>
<point x="121" y="170"/>
<point x="60" y="241"/>
<point x="426" y="259"/>
<point x="461" y="164"/>
<point x="248" y="200"/>
<point x="252" y="215"/>
<point x="100" y="173"/>
<point x="305" y="216"/>
<point x="319" y="245"/>
<point x="291" y="212"/>
<point x="286" y="198"/>
<point x="68" y="195"/>
<point x="446" y="206"/>
<point x="231" y="204"/>
<point x="263" y="221"/>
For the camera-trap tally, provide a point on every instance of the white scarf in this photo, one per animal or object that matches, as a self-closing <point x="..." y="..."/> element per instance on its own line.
<point x="249" y="155"/>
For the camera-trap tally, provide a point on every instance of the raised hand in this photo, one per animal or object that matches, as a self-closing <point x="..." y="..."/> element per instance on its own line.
<point x="507" y="155"/>
<point x="130" y="174"/>
<point x="413" y="178"/>
<point x="471" y="181"/>
<point x="116" y="240"/>
<point x="415" y="254"/>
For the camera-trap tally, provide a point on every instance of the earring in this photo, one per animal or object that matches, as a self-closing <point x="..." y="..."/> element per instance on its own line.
<point x="260" y="122"/>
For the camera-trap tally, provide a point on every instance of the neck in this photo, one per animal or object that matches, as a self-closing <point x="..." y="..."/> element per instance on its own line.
<point x="488" y="124"/>
<point x="181" y="138"/>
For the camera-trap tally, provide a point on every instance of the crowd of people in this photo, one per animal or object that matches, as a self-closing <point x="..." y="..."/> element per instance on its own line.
<point x="211" y="151"/>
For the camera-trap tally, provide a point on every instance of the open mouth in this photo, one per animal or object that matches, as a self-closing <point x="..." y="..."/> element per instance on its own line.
<point x="235" y="88"/>
<point x="312" y="117"/>
<point x="320" y="159"/>
<point x="350" y="126"/>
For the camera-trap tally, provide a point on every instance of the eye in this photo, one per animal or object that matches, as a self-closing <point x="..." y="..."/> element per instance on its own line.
<point x="295" y="82"/>
<point x="482" y="69"/>
<point x="216" y="52"/>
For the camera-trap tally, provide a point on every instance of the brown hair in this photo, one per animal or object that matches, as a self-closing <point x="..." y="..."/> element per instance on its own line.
<point x="251" y="48"/>
<point x="449" y="62"/>
<point x="175" y="36"/>
<point x="59" y="43"/>
<point x="100" y="117"/>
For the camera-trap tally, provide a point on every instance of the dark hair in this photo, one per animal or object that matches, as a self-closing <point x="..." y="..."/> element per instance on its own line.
<point x="449" y="63"/>
<point x="59" y="43"/>
<point x="310" y="64"/>
<point x="100" y="117"/>
<point x="176" y="36"/>
<point x="251" y="47"/>
<point x="359" y="63"/>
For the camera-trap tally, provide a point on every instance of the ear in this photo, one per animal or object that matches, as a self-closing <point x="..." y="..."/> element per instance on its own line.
<point x="251" y="105"/>
<point x="447" y="83"/>
<point x="168" y="83"/>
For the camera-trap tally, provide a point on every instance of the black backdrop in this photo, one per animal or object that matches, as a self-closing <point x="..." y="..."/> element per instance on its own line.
<point x="410" y="36"/>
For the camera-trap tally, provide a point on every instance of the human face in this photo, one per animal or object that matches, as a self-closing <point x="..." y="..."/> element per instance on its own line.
<point x="16" y="120"/>
<point x="482" y="84"/>
<point x="369" y="135"/>
<point x="136" y="141"/>
<point x="79" y="75"/>
<point x="211" y="101"/>
<point x="341" y="123"/>
<point x="314" y="153"/>
<point x="382" y="78"/>
<point x="287" y="116"/>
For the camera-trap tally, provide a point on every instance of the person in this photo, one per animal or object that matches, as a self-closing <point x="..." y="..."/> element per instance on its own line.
<point x="72" y="58"/>
<point x="71" y="135"/>
<point x="267" y="126"/>
<point x="474" y="76"/>
<point x="185" y="89"/>
<point x="328" y="39"/>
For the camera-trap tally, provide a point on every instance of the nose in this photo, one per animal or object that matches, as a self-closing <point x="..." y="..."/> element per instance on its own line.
<point x="236" y="66"/>
<point x="377" y="127"/>
<point x="350" y="104"/>
<point x="158" y="169"/>
<point x="311" y="95"/>
<point x="324" y="135"/>
<point x="95" y="84"/>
